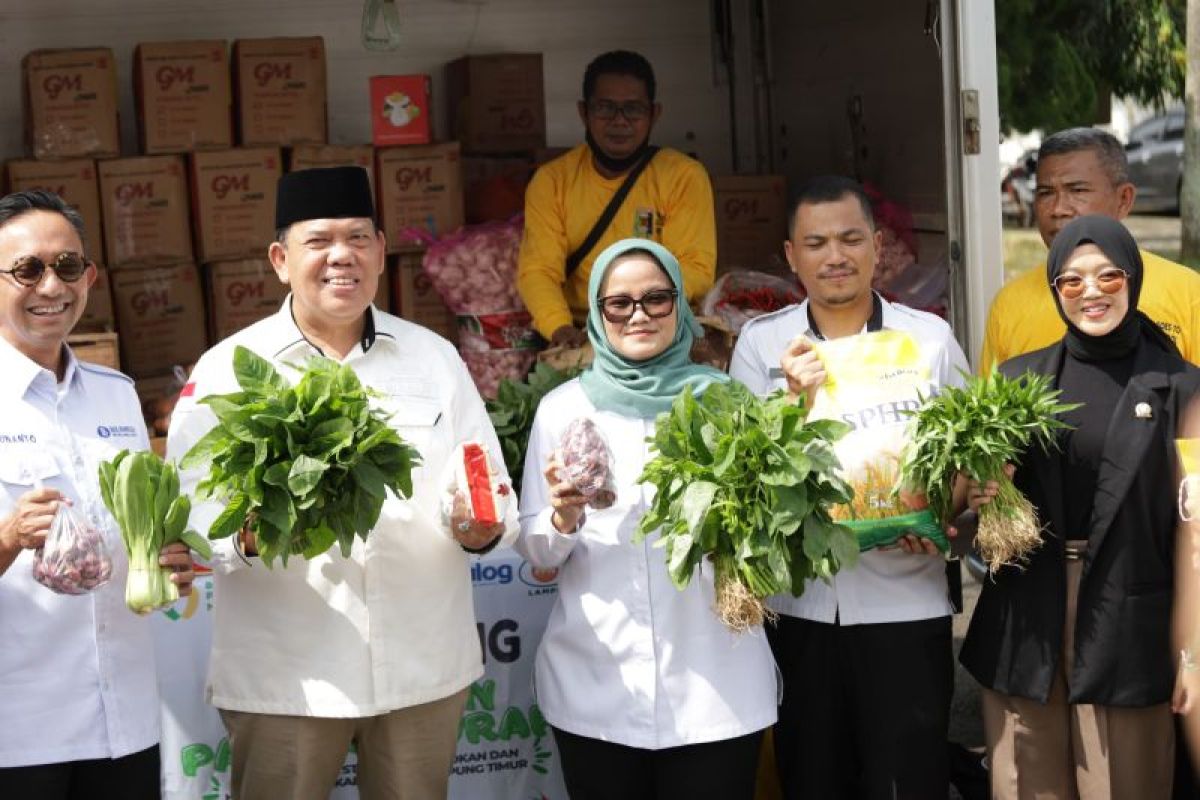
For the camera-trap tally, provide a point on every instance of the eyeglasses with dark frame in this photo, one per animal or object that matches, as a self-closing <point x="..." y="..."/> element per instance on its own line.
<point x="1108" y="281"/>
<point x="620" y="308"/>
<point x="29" y="270"/>
<point x="634" y="110"/>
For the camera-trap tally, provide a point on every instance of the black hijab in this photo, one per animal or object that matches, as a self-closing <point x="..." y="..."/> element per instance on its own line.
<point x="1115" y="242"/>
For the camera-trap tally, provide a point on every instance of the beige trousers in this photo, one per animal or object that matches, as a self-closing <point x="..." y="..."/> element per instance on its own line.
<point x="1065" y="751"/>
<point x="402" y="755"/>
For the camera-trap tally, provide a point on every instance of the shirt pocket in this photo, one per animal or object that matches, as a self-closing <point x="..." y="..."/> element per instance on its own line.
<point x="421" y="424"/>
<point x="22" y="472"/>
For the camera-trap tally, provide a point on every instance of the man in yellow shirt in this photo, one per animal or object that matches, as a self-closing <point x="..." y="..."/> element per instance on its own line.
<point x="1083" y="171"/>
<point x="671" y="201"/>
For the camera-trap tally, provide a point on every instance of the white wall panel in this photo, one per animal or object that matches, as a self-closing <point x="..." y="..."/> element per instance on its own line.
<point x="673" y="34"/>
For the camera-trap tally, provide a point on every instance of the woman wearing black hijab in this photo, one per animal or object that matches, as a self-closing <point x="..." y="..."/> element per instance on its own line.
<point x="1074" y="649"/>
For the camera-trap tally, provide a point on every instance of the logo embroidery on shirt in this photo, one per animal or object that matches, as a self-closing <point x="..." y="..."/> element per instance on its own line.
<point x="643" y="223"/>
<point x="108" y="431"/>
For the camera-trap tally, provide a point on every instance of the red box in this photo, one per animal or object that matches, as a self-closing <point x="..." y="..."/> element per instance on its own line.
<point x="400" y="112"/>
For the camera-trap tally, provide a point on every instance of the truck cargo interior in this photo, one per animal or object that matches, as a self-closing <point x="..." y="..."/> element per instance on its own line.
<point x="877" y="90"/>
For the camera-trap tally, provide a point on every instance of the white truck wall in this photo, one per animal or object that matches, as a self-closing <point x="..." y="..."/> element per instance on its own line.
<point x="673" y="34"/>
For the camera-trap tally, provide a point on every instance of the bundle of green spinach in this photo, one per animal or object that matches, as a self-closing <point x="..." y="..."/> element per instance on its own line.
<point x="977" y="430"/>
<point x="304" y="466"/>
<point x="747" y="482"/>
<point x="513" y="409"/>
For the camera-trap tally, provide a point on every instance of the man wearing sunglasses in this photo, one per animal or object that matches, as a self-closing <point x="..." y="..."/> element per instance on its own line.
<point x="574" y="206"/>
<point x="1083" y="171"/>
<point x="78" y="709"/>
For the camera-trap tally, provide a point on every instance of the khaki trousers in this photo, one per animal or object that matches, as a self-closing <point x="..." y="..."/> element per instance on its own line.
<point x="1066" y="751"/>
<point x="402" y="755"/>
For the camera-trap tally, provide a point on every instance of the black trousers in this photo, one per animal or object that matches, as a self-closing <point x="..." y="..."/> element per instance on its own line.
<point x="598" y="770"/>
<point x="131" y="777"/>
<point x="866" y="709"/>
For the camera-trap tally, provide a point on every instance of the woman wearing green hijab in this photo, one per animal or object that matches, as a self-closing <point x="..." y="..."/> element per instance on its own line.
<point x="648" y="693"/>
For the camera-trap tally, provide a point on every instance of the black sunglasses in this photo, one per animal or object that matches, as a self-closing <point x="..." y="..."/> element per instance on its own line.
<point x="28" y="270"/>
<point x="619" y="308"/>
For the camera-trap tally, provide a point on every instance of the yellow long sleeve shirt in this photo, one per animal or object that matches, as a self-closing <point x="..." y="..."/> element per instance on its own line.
<point x="671" y="203"/>
<point x="1023" y="317"/>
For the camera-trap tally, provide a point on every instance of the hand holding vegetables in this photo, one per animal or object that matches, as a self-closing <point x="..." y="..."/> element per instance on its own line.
<point x="747" y="482"/>
<point x="304" y="466"/>
<point x="979" y="430"/>
<point x="142" y="493"/>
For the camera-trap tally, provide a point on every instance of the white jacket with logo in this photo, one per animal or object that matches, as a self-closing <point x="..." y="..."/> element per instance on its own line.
<point x="392" y="625"/>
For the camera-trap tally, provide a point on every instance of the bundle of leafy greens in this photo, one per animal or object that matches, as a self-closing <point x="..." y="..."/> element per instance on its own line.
<point x="513" y="409"/>
<point x="976" y="430"/>
<point x="749" y="483"/>
<point x="142" y="493"/>
<point x="303" y="466"/>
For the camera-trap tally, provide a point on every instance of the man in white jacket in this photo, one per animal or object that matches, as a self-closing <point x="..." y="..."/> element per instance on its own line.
<point x="377" y="648"/>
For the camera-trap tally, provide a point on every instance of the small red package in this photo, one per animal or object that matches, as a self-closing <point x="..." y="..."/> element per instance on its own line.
<point x="484" y="486"/>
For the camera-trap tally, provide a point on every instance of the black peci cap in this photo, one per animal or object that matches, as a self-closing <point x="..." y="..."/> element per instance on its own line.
<point x="323" y="193"/>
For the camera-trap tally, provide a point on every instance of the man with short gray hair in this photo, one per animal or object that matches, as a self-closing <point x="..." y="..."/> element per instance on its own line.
<point x="1083" y="171"/>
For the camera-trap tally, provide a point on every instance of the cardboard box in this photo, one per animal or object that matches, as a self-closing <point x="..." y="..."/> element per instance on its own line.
<point x="98" y="314"/>
<point x="419" y="187"/>
<point x="96" y="348"/>
<point x="751" y="213"/>
<point x="497" y="103"/>
<point x="241" y="293"/>
<point x="145" y="209"/>
<point x="414" y="297"/>
<point x="73" y="181"/>
<point x="280" y="90"/>
<point x="309" y="156"/>
<point x="183" y="97"/>
<point x="233" y="201"/>
<point x="401" y="111"/>
<point x="70" y="103"/>
<point x="160" y="313"/>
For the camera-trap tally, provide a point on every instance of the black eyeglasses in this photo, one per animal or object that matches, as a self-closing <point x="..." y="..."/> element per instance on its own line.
<point x="634" y="110"/>
<point x="28" y="270"/>
<point x="619" y="308"/>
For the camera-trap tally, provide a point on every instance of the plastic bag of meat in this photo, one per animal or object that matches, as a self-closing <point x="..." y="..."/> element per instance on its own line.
<point x="74" y="558"/>
<point x="475" y="272"/>
<point x="587" y="463"/>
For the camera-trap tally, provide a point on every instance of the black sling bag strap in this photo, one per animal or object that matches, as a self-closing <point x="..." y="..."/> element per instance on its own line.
<point x="610" y="211"/>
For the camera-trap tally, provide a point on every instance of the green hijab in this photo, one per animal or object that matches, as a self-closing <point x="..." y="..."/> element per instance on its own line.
<point x="642" y="388"/>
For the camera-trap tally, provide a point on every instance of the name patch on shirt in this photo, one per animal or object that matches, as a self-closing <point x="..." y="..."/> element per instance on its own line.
<point x="17" y="438"/>
<point x="119" y="431"/>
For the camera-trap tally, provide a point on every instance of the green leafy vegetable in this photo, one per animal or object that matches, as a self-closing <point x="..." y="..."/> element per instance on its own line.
<point x="142" y="492"/>
<point x="977" y="430"/>
<point x="513" y="409"/>
<point x="304" y="466"/>
<point x="748" y="482"/>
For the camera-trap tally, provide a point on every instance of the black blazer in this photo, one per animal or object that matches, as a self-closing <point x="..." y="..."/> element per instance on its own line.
<point x="1123" y="653"/>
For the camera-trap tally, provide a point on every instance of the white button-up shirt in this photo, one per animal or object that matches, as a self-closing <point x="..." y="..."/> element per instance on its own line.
<point x="885" y="585"/>
<point x="627" y="657"/>
<point x="77" y="674"/>
<point x="392" y="625"/>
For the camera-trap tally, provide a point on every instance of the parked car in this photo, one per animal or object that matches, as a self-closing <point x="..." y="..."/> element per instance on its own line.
<point x="1155" y="153"/>
<point x="1016" y="190"/>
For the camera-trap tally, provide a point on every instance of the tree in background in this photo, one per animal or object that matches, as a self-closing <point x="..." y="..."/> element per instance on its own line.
<point x="1189" y="194"/>
<point x="1059" y="60"/>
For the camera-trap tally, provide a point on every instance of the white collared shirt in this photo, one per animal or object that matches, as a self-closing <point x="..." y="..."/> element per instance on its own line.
<point x="627" y="657"/>
<point x="392" y="625"/>
<point x="885" y="585"/>
<point x="77" y="674"/>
